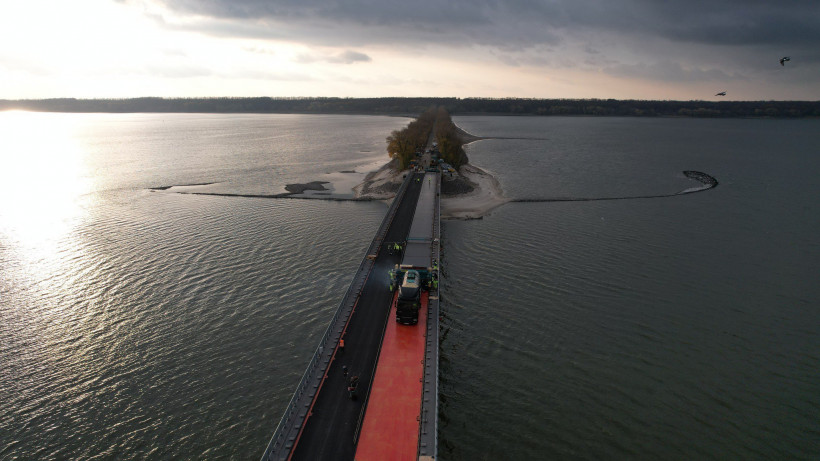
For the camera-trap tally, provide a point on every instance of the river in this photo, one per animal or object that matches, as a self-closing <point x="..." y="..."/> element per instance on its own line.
<point x="138" y="322"/>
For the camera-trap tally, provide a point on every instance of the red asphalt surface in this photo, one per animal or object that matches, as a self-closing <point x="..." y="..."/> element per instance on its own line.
<point x="391" y="424"/>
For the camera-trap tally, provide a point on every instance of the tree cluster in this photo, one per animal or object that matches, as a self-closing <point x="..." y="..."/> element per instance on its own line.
<point x="404" y="144"/>
<point x="450" y="144"/>
<point x="404" y="106"/>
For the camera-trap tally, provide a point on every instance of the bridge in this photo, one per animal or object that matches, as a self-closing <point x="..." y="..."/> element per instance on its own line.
<point x="394" y="414"/>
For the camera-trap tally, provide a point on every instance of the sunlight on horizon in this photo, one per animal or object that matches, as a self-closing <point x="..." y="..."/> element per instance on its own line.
<point x="93" y="48"/>
<point x="137" y="48"/>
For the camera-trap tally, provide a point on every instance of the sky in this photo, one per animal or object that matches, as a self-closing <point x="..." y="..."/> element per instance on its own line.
<point x="622" y="49"/>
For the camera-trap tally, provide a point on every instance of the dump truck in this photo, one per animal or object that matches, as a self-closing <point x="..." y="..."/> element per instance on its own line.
<point x="408" y="299"/>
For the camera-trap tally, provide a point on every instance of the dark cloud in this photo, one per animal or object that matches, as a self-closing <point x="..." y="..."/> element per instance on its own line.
<point x="590" y="50"/>
<point x="364" y="12"/>
<point x="521" y="22"/>
<point x="350" y="57"/>
<point x="363" y="22"/>
<point x="670" y="71"/>
<point x="671" y="40"/>
<point x="736" y="22"/>
<point x="347" y="57"/>
<point x="259" y="50"/>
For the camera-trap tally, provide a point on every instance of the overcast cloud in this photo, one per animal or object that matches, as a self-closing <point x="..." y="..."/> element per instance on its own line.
<point x="667" y="49"/>
<point x="522" y="22"/>
<point x="675" y="40"/>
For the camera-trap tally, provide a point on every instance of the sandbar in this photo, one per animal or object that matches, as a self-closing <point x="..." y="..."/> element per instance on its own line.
<point x="471" y="193"/>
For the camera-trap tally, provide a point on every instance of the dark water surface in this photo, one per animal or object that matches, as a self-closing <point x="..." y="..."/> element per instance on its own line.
<point x="675" y="328"/>
<point x="148" y="324"/>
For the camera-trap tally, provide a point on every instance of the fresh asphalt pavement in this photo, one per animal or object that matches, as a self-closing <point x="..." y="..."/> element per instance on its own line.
<point x="332" y="426"/>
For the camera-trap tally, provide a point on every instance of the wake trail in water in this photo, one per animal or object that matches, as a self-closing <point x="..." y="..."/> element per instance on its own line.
<point x="708" y="182"/>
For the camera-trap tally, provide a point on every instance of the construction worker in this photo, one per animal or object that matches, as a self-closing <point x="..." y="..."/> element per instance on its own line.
<point x="435" y="283"/>
<point x="341" y="344"/>
<point x="351" y="386"/>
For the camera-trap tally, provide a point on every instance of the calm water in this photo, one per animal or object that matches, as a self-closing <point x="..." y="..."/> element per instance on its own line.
<point x="139" y="324"/>
<point x="149" y="324"/>
<point x="674" y="328"/>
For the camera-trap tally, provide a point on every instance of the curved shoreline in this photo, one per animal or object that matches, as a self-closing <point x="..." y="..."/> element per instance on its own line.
<point x="289" y="195"/>
<point x="468" y="137"/>
<point x="182" y="185"/>
<point x="484" y="195"/>
<point x="708" y="181"/>
<point x="292" y="189"/>
<point x="482" y="191"/>
<point x="471" y="194"/>
<point x="475" y="191"/>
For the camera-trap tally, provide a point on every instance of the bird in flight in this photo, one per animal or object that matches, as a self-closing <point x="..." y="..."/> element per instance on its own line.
<point x="722" y="93"/>
<point x="784" y="59"/>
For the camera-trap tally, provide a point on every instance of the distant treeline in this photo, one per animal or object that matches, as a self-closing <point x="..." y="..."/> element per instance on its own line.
<point x="412" y="106"/>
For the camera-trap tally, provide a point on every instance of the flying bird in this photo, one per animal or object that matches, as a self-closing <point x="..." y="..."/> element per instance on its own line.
<point x="722" y="93"/>
<point x="784" y="59"/>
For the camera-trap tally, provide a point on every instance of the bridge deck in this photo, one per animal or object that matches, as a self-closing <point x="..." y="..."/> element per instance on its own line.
<point x="391" y="424"/>
<point x="322" y="422"/>
<point x="331" y="429"/>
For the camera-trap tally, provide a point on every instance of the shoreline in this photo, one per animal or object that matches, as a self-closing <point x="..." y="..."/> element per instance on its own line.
<point x="483" y="192"/>
<point x="485" y="196"/>
<point x="472" y="194"/>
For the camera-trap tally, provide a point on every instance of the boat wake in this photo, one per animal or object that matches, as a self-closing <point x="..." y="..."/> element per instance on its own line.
<point x="707" y="182"/>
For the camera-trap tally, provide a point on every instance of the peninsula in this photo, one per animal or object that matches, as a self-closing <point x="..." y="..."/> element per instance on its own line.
<point x="468" y="192"/>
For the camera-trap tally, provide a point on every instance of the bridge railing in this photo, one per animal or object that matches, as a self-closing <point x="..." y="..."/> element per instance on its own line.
<point x="295" y="415"/>
<point x="428" y="430"/>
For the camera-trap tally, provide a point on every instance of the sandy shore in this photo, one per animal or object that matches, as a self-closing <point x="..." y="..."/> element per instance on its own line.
<point x="471" y="194"/>
<point x="485" y="196"/>
<point x="381" y="184"/>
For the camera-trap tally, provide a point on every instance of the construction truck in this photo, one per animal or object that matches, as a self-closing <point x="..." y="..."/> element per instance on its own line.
<point x="408" y="299"/>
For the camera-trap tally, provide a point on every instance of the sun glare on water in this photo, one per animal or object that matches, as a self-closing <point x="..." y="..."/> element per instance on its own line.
<point x="42" y="180"/>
